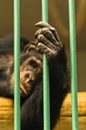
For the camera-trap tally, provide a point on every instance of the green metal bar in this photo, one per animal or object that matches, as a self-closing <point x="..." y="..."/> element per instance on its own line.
<point x="73" y="64"/>
<point x="46" y="96"/>
<point x="45" y="10"/>
<point x="17" y="64"/>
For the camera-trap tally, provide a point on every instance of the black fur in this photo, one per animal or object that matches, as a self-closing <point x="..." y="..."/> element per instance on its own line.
<point x="48" y="42"/>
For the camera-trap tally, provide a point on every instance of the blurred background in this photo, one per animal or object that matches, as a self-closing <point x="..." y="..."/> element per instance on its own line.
<point x="58" y="17"/>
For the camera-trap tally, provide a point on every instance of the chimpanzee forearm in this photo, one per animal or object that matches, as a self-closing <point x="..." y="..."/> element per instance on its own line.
<point x="5" y="89"/>
<point x="33" y="105"/>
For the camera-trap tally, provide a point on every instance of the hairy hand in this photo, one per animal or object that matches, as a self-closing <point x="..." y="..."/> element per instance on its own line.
<point x="47" y="40"/>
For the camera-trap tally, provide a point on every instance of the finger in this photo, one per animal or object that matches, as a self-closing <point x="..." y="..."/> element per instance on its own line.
<point x="48" y="34"/>
<point x="43" y="24"/>
<point x="46" y="43"/>
<point x="56" y="35"/>
<point x="41" y="48"/>
<point x="41" y="38"/>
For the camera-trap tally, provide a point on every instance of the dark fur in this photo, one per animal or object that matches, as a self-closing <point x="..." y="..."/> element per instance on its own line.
<point x="32" y="104"/>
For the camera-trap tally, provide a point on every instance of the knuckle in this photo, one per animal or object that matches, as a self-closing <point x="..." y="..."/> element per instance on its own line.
<point x="40" y="37"/>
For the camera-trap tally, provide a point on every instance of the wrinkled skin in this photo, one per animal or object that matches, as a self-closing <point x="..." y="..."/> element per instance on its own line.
<point x="46" y="42"/>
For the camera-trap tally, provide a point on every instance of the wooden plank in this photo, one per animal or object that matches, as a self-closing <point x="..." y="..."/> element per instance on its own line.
<point x="7" y="113"/>
<point x="66" y="119"/>
<point x="66" y="108"/>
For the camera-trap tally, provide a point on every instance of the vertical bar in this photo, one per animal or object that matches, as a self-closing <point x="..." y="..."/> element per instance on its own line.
<point x="45" y="10"/>
<point x="72" y="27"/>
<point x="46" y="96"/>
<point x="17" y="64"/>
<point x="46" y="102"/>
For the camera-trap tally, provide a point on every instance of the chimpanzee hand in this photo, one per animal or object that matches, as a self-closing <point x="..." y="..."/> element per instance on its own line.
<point x="47" y="40"/>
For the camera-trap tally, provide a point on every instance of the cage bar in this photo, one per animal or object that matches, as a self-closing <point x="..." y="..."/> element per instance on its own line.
<point x="46" y="95"/>
<point x="17" y="64"/>
<point x="73" y="64"/>
<point x="45" y="10"/>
